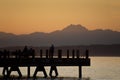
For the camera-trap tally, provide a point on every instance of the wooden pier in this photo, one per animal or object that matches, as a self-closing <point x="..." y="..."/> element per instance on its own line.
<point x="17" y="60"/>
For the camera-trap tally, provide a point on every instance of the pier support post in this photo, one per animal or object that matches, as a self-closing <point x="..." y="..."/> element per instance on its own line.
<point x="28" y="71"/>
<point x="5" y="71"/>
<point x="80" y="71"/>
<point x="40" y="68"/>
<point x="14" y="68"/>
<point x="53" y="68"/>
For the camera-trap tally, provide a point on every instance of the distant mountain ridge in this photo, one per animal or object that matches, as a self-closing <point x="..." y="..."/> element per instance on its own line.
<point x="71" y="35"/>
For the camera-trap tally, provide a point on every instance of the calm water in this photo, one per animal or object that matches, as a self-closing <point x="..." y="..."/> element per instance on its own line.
<point x="102" y="68"/>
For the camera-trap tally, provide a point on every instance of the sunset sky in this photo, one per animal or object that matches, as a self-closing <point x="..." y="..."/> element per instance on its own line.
<point x="27" y="16"/>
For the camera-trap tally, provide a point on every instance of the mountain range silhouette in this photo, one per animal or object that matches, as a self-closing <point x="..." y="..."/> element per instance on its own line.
<point x="71" y="35"/>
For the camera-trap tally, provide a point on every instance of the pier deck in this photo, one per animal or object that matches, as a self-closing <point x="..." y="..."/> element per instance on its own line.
<point x="45" y="62"/>
<point x="17" y="60"/>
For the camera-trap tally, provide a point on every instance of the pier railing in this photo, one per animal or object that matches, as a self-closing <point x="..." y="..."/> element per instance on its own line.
<point x="18" y="58"/>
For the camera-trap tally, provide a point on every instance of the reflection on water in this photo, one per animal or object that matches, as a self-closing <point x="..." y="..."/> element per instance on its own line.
<point x="39" y="78"/>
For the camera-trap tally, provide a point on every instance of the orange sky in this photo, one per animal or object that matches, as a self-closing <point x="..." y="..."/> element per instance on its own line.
<point x="27" y="16"/>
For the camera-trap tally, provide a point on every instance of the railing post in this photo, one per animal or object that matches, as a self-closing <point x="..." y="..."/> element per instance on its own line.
<point x="87" y="54"/>
<point x="47" y="55"/>
<point x="67" y="53"/>
<point x="59" y="53"/>
<point x="77" y="53"/>
<point x="41" y="53"/>
<point x="73" y="53"/>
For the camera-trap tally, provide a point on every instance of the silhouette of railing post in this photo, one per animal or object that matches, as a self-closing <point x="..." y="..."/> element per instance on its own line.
<point x="77" y="53"/>
<point x="59" y="53"/>
<point x="41" y="52"/>
<point x="87" y="54"/>
<point x="33" y="53"/>
<point x="67" y="53"/>
<point x="73" y="53"/>
<point x="47" y="54"/>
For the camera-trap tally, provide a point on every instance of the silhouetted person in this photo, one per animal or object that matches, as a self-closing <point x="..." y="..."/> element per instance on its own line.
<point x="31" y="52"/>
<point x="51" y="51"/>
<point x="6" y="53"/>
<point x="25" y="49"/>
<point x="25" y="52"/>
<point x="53" y="68"/>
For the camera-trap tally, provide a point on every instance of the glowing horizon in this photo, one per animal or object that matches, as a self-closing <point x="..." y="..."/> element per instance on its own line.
<point x="28" y="16"/>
